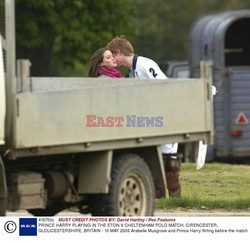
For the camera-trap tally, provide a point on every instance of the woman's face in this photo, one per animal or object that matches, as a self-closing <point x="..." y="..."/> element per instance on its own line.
<point x="108" y="59"/>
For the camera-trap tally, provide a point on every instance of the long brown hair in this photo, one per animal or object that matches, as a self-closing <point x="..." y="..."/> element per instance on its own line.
<point x="95" y="61"/>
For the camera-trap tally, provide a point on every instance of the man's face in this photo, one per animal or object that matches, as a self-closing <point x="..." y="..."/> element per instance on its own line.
<point x="118" y="58"/>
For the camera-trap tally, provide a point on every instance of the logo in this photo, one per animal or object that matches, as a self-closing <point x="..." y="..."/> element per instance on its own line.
<point x="241" y="119"/>
<point x="129" y="120"/>
<point x="10" y="227"/>
<point x="27" y="226"/>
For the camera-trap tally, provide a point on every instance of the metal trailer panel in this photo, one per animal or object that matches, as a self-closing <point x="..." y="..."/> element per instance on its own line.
<point x="207" y="41"/>
<point x="207" y="37"/>
<point x="46" y="84"/>
<point x="239" y="90"/>
<point x="195" y="44"/>
<point x="59" y="117"/>
<point x="227" y="19"/>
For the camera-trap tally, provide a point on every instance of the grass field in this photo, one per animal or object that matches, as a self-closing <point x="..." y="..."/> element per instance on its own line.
<point x="215" y="186"/>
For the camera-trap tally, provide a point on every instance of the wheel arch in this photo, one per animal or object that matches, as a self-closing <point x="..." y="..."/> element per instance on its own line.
<point x="153" y="158"/>
<point x="94" y="174"/>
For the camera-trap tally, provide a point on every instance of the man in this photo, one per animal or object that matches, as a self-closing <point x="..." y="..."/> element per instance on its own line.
<point x="142" y="67"/>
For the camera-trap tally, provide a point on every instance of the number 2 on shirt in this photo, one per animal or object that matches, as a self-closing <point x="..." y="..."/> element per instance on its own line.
<point x="151" y="70"/>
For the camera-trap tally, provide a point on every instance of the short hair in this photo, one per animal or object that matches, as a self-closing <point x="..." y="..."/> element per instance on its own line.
<point x="122" y="44"/>
<point x="95" y="61"/>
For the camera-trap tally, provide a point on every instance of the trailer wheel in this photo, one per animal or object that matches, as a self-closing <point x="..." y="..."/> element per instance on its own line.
<point x="131" y="192"/>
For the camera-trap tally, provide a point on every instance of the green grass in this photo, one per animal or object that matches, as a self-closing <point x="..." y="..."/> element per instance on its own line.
<point x="215" y="186"/>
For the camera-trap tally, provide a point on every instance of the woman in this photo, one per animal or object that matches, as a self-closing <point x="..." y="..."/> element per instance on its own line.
<point x="103" y="64"/>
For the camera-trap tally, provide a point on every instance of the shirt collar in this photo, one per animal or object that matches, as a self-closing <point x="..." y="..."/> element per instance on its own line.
<point x="134" y="61"/>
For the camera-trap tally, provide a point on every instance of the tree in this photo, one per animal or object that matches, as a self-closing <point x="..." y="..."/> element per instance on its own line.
<point x="54" y="33"/>
<point x="164" y="26"/>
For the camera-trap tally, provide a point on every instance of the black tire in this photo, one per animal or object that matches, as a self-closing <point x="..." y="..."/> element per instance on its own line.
<point x="131" y="192"/>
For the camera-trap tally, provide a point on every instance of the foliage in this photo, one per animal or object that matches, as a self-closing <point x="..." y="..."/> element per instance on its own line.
<point x="68" y="31"/>
<point x="164" y="26"/>
<point x="56" y="35"/>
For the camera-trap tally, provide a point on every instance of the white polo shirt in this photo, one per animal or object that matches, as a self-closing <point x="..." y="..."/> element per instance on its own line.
<point x="143" y="67"/>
